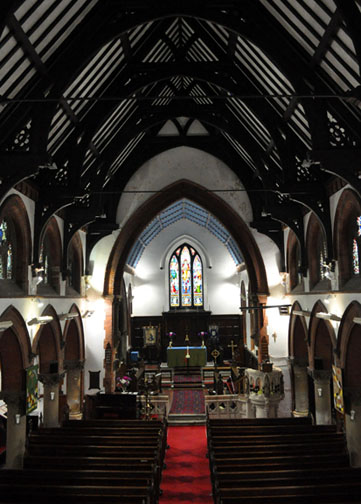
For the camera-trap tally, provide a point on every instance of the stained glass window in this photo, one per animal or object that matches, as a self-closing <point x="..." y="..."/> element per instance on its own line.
<point x="186" y="278"/>
<point x="6" y="252"/>
<point x="43" y="259"/>
<point x="355" y="258"/>
<point x="356" y="243"/>
<point x="174" y="281"/>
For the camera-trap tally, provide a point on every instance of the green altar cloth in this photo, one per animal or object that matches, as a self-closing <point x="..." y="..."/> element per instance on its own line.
<point x="176" y="356"/>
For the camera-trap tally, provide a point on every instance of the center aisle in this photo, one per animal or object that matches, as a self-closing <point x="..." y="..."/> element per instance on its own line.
<point x="186" y="478"/>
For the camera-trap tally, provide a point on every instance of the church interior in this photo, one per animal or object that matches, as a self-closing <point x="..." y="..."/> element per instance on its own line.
<point x="180" y="248"/>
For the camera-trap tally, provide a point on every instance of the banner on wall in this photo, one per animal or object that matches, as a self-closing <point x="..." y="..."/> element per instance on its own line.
<point x="32" y="388"/>
<point x="337" y="389"/>
<point x="150" y="335"/>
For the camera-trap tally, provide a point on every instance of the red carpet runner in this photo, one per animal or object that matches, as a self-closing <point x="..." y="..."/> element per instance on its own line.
<point x="188" y="401"/>
<point x="186" y="480"/>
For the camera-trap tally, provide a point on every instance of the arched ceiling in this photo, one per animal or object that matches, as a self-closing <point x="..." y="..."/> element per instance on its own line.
<point x="87" y="86"/>
<point x="187" y="210"/>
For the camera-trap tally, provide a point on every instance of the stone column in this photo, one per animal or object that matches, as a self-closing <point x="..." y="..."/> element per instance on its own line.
<point x="321" y="381"/>
<point x="300" y="380"/>
<point x="73" y="390"/>
<point x="51" y="398"/>
<point x="15" y="429"/>
<point x="353" y="424"/>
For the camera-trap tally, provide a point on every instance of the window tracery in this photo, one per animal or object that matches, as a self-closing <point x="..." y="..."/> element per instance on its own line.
<point x="186" y="278"/>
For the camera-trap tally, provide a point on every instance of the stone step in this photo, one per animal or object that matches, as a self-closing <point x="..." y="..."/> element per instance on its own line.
<point x="186" y="419"/>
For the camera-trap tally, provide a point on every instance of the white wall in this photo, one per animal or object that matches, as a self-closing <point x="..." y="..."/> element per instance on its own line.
<point x="221" y="283"/>
<point x="183" y="163"/>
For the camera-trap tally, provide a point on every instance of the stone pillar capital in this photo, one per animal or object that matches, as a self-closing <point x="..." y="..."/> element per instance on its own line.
<point x="51" y="378"/>
<point x="352" y="396"/>
<point x="319" y="374"/>
<point x="73" y="365"/>
<point x="14" y="399"/>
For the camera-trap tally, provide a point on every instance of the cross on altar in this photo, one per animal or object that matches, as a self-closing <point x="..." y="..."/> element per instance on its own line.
<point x="233" y="346"/>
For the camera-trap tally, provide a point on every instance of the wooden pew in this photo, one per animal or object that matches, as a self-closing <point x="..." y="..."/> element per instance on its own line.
<point x="113" y="457"/>
<point x="262" y="461"/>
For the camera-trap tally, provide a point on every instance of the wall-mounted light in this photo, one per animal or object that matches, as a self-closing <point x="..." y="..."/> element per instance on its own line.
<point x="329" y="269"/>
<point x="5" y="324"/>
<point x="352" y="414"/>
<point x="357" y="320"/>
<point x="328" y="299"/>
<point x="283" y="277"/>
<point x="319" y="392"/>
<point x="39" y="302"/>
<point x="87" y="313"/>
<point x="68" y="316"/>
<point x="328" y="316"/>
<point x="17" y="418"/>
<point x="40" y="320"/>
<point x="52" y="396"/>
<point x="302" y="313"/>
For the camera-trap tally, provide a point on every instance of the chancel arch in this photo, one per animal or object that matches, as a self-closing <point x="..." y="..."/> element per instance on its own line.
<point x="210" y="201"/>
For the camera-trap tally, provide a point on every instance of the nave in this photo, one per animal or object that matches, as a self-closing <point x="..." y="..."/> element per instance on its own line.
<point x="180" y="220"/>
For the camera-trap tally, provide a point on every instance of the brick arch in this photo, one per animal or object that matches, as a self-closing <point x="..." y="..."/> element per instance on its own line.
<point x="348" y="208"/>
<point x="74" y="337"/>
<point x="211" y="202"/>
<point x="14" y="210"/>
<point x="347" y="331"/>
<point x="15" y="351"/>
<point x="297" y="336"/>
<point x="51" y="236"/>
<point x="321" y="338"/>
<point x="75" y="250"/>
<point x="47" y="342"/>
<point x="314" y="244"/>
<point x="293" y="253"/>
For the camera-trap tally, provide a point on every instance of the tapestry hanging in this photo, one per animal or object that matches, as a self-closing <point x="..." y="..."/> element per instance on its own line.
<point x="31" y="388"/>
<point x="337" y="389"/>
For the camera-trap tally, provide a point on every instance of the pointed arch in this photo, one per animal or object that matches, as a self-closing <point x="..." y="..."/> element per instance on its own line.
<point x="47" y="343"/>
<point x="321" y="338"/>
<point x="14" y="211"/>
<point x="218" y="207"/>
<point x="15" y="351"/>
<point x="297" y="336"/>
<point x="51" y="258"/>
<point x="348" y="209"/>
<point x="316" y="247"/>
<point x="293" y="259"/>
<point x="74" y="336"/>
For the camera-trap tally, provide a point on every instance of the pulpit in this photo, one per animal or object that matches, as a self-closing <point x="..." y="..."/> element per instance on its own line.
<point x="177" y="356"/>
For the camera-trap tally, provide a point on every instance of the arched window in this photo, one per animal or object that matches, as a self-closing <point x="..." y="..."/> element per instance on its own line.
<point x="6" y="250"/>
<point x="186" y="278"/>
<point x="44" y="260"/>
<point x="356" y="244"/>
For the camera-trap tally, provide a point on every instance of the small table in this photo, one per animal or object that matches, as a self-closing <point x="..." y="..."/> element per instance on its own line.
<point x="176" y="356"/>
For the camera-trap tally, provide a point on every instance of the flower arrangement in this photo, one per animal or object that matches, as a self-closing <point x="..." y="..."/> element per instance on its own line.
<point x="122" y="383"/>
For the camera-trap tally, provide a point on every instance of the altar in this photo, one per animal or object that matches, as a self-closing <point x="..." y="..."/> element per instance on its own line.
<point x="176" y="356"/>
